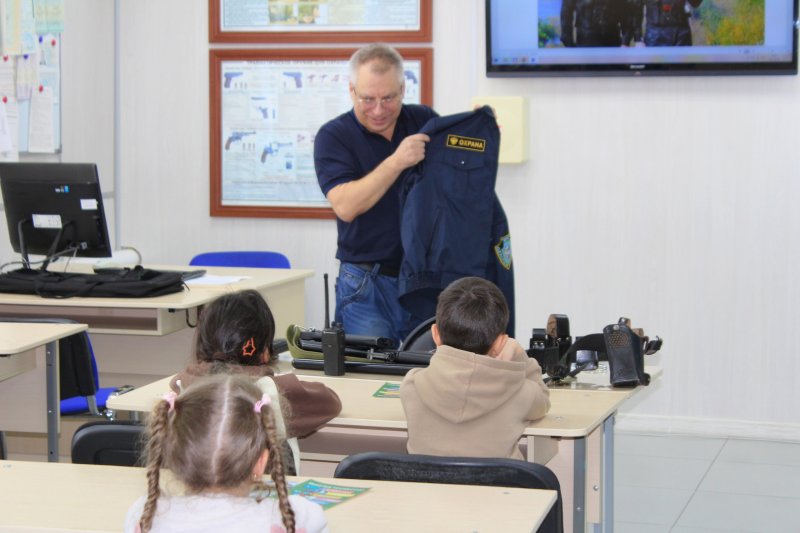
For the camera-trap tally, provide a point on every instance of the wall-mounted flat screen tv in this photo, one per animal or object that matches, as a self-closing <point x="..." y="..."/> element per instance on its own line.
<point x="640" y="37"/>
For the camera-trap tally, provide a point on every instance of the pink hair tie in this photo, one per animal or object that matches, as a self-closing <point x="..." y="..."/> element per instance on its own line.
<point x="170" y="399"/>
<point x="265" y="400"/>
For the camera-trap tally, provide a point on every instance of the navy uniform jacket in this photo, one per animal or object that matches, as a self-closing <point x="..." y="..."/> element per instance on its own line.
<point x="453" y="225"/>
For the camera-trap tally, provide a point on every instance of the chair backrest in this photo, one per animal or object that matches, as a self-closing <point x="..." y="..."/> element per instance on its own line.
<point x="242" y="259"/>
<point x="420" y="339"/>
<point x="456" y="470"/>
<point x="117" y="443"/>
<point x="77" y="366"/>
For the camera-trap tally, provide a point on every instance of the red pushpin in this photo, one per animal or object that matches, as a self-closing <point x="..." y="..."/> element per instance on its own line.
<point x="5" y="99"/>
<point x="53" y="42"/>
<point x="41" y="88"/>
<point x="5" y="58"/>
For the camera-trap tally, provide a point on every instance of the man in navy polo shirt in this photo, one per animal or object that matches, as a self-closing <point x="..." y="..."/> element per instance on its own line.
<point x="359" y="157"/>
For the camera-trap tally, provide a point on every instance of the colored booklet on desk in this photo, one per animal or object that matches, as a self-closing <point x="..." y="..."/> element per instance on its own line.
<point x="388" y="390"/>
<point x="325" y="494"/>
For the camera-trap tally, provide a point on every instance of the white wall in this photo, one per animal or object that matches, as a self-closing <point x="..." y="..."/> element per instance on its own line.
<point x="667" y="200"/>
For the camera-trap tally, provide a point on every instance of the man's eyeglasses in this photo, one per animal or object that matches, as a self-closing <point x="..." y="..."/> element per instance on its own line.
<point x="368" y="102"/>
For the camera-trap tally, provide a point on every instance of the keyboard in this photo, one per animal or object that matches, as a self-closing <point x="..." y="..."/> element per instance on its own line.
<point x="192" y="274"/>
<point x="185" y="274"/>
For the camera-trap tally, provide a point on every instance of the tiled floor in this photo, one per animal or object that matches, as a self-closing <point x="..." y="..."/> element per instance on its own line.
<point x="677" y="484"/>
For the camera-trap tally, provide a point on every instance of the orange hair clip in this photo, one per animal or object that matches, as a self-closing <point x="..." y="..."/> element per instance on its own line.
<point x="249" y="348"/>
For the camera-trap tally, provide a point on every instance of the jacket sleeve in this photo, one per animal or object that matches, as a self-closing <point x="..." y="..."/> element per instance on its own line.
<point x="311" y="404"/>
<point x="540" y="404"/>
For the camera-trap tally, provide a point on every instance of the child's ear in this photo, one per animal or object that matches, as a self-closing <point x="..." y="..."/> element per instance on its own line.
<point x="498" y="345"/>
<point x="261" y="464"/>
<point x="437" y="340"/>
<point x="265" y="356"/>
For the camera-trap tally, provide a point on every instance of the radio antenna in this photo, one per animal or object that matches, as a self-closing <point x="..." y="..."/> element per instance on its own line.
<point x="327" y="315"/>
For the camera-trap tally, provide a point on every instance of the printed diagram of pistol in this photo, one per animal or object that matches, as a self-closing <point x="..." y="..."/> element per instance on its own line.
<point x="229" y="77"/>
<point x="411" y="76"/>
<point x="297" y="77"/>
<point x="237" y="136"/>
<point x="273" y="148"/>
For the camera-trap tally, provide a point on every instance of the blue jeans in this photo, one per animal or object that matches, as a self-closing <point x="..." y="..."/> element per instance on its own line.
<point x="367" y="304"/>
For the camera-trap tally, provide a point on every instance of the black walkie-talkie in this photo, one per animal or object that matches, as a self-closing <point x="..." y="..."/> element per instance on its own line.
<point x="332" y="342"/>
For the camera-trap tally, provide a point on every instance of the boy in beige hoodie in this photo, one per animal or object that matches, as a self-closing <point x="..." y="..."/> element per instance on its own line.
<point x="480" y="389"/>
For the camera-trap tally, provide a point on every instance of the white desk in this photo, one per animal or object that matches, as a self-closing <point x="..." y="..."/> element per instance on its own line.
<point x="29" y="378"/>
<point x="575" y="439"/>
<point x="60" y="497"/>
<point x="138" y="340"/>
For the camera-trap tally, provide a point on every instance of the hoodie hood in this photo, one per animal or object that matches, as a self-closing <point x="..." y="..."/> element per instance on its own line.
<point x="461" y="386"/>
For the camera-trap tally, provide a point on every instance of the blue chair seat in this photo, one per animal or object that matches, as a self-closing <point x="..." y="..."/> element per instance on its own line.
<point x="80" y="404"/>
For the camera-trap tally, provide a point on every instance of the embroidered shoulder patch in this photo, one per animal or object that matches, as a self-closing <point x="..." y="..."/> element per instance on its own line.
<point x="466" y="143"/>
<point x="503" y="251"/>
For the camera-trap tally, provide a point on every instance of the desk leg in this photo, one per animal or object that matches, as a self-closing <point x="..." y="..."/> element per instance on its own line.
<point x="579" y="485"/>
<point x="600" y="478"/>
<point x="570" y="466"/>
<point x="608" y="474"/>
<point x="53" y="408"/>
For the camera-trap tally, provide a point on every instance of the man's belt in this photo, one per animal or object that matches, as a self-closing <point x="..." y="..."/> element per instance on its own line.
<point x="383" y="270"/>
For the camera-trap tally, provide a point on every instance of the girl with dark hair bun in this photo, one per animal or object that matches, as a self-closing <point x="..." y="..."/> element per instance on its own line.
<point x="234" y="336"/>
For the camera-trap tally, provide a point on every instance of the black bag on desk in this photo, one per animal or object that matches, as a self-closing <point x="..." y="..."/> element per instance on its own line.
<point x="137" y="282"/>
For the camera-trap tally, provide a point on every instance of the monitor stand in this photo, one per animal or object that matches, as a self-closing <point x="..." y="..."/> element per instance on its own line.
<point x="23" y="248"/>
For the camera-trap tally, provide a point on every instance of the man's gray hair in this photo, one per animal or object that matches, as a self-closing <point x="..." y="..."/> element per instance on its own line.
<point x="385" y="57"/>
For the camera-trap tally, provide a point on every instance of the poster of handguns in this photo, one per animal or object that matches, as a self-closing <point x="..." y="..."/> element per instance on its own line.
<point x="270" y="112"/>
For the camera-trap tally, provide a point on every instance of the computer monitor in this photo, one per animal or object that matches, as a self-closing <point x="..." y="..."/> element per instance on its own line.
<point x="54" y="209"/>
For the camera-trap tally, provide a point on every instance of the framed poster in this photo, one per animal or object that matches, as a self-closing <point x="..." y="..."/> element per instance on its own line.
<point x="319" y="21"/>
<point x="266" y="108"/>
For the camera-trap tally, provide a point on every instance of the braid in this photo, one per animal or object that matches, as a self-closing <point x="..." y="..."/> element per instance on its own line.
<point x="276" y="470"/>
<point x="155" y="456"/>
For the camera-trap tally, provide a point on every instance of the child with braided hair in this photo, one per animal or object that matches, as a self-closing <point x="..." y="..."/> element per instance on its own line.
<point x="216" y="438"/>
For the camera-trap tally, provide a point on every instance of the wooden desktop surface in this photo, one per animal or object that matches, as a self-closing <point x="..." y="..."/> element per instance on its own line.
<point x="256" y="278"/>
<point x="574" y="412"/>
<point x="579" y="412"/>
<point x="18" y="343"/>
<point x="139" y="340"/>
<point x="61" y="497"/>
<point x="161" y="315"/>
<point x="17" y="337"/>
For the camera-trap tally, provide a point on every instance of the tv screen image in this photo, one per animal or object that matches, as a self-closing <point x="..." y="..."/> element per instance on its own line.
<point x="635" y="37"/>
<point x="54" y="208"/>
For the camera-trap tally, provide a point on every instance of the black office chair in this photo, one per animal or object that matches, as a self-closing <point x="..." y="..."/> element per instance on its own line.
<point x="456" y="470"/>
<point x="116" y="443"/>
<point x="420" y="339"/>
